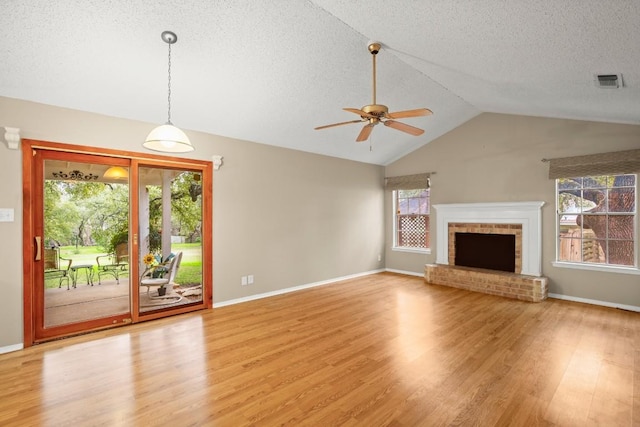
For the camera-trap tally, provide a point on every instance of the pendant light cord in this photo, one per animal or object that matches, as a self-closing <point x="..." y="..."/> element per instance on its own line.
<point x="169" y="87"/>
<point x="167" y="138"/>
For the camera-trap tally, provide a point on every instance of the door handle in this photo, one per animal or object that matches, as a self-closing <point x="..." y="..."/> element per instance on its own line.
<point x="38" y="248"/>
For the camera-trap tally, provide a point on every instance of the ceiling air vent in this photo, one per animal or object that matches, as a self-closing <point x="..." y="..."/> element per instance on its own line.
<point x="609" y="81"/>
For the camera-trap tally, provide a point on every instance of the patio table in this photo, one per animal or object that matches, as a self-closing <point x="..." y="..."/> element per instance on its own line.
<point x="88" y="268"/>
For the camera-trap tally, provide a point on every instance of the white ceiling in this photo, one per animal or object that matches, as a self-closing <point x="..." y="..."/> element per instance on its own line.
<point x="270" y="71"/>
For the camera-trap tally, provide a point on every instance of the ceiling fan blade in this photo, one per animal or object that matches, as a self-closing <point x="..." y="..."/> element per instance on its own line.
<point x="360" y="113"/>
<point x="404" y="127"/>
<point x="365" y="132"/>
<point x="409" y="113"/>
<point x="338" y="124"/>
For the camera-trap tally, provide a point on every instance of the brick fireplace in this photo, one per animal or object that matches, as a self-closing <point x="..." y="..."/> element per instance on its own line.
<point x="489" y="223"/>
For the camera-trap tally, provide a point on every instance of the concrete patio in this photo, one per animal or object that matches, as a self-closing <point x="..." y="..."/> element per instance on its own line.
<point x="86" y="302"/>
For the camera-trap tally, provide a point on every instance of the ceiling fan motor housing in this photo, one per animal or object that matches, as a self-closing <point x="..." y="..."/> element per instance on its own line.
<point x="375" y="109"/>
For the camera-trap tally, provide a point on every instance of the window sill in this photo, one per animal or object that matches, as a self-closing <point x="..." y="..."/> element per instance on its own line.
<point x="595" y="267"/>
<point x="411" y="250"/>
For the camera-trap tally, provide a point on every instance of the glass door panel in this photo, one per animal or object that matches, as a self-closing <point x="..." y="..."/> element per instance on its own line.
<point x="84" y="244"/>
<point x="170" y="246"/>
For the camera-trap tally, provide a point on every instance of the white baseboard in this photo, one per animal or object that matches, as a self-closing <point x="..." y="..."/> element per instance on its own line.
<point x="595" y="302"/>
<point x="293" y="289"/>
<point x="10" y="348"/>
<point x="408" y="273"/>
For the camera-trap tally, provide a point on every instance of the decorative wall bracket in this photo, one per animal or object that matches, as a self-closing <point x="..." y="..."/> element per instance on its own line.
<point x="217" y="162"/>
<point x="12" y="136"/>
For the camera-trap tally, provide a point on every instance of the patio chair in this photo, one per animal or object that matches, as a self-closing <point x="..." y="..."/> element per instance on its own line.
<point x="167" y="281"/>
<point x="56" y="267"/>
<point x="114" y="264"/>
<point x="163" y="266"/>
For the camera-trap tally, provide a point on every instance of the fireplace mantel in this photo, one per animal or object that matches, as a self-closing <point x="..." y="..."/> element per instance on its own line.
<point x="527" y="214"/>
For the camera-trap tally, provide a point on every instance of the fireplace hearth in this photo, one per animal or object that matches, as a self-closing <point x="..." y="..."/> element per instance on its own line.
<point x="493" y="248"/>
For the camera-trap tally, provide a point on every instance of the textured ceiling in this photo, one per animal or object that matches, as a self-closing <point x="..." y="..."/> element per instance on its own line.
<point x="271" y="71"/>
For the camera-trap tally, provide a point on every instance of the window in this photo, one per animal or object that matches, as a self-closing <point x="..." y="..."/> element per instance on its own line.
<point x="596" y="220"/>
<point x="411" y="225"/>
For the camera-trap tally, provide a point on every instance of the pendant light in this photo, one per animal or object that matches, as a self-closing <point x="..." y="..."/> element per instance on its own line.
<point x="167" y="138"/>
<point x="116" y="172"/>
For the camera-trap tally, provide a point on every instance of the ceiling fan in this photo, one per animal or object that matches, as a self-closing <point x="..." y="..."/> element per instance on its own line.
<point x="378" y="113"/>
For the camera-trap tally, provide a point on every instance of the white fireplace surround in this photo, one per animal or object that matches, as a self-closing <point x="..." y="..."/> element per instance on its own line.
<point x="527" y="214"/>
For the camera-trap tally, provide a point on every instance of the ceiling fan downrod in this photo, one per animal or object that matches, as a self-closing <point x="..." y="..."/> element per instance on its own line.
<point x="374" y="48"/>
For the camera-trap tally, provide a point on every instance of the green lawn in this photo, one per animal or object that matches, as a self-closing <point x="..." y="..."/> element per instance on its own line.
<point x="190" y="267"/>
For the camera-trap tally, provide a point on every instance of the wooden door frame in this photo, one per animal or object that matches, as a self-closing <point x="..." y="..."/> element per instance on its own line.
<point x="31" y="193"/>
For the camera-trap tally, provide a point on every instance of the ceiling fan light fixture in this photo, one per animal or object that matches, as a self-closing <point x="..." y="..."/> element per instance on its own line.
<point x="167" y="138"/>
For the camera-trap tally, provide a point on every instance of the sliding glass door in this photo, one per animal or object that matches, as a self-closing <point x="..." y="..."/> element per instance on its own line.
<point x="112" y="238"/>
<point x="170" y="227"/>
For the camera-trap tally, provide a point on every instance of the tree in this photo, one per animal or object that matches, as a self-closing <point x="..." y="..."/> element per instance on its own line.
<point x="186" y="213"/>
<point x="87" y="213"/>
<point x="84" y="213"/>
<point x="110" y="216"/>
<point x="610" y="203"/>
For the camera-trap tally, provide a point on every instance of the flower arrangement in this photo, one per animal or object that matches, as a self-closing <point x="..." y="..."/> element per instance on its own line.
<point x="150" y="263"/>
<point x="149" y="260"/>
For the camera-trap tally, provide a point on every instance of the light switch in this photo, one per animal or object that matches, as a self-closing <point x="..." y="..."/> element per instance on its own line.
<point x="6" y="214"/>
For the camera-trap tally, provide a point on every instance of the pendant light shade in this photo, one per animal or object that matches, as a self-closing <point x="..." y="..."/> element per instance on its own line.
<point x="167" y="138"/>
<point x="116" y="172"/>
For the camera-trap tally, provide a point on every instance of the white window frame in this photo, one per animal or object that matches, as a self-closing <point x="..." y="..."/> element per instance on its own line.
<point x="408" y="249"/>
<point x="610" y="268"/>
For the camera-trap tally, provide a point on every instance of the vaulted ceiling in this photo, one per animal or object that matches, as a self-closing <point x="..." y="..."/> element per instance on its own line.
<point x="270" y="71"/>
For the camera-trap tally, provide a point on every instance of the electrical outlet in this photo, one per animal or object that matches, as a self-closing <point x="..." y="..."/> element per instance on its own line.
<point x="243" y="281"/>
<point x="250" y="279"/>
<point x="379" y="257"/>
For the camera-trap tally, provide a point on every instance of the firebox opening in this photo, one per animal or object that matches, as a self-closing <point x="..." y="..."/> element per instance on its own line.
<point x="490" y="251"/>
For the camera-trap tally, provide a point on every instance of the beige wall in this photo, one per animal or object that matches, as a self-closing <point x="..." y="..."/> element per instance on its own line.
<point x="287" y="217"/>
<point x="292" y="218"/>
<point x="496" y="158"/>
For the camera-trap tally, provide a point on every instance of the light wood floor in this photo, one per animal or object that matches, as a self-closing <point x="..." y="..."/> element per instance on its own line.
<point x="380" y="350"/>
